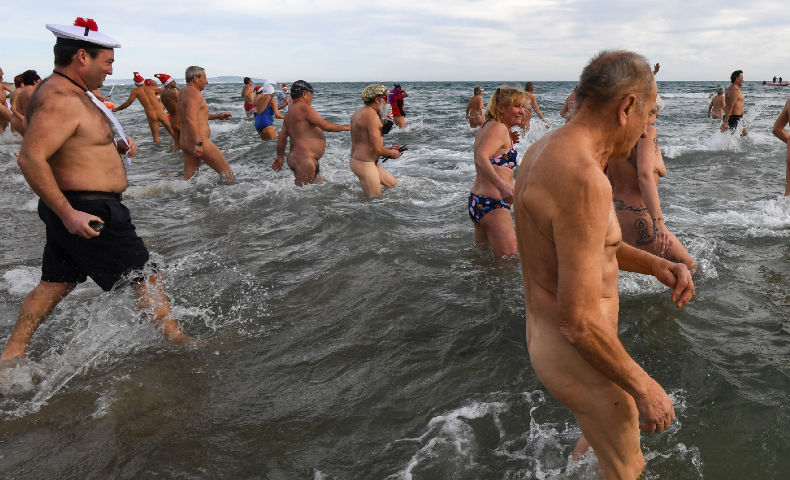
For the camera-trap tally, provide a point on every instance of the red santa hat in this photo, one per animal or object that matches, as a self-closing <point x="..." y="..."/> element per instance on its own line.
<point x="150" y="83"/>
<point x="138" y="79"/>
<point x="164" y="78"/>
<point x="257" y="90"/>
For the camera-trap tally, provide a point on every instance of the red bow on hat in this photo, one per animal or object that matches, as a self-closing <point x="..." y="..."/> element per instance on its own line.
<point x="87" y="23"/>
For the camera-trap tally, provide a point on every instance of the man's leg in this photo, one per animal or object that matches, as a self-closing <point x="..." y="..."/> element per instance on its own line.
<point x="176" y="140"/>
<point x="787" y="172"/>
<point x="191" y="165"/>
<point x="305" y="170"/>
<point x="152" y="297"/>
<point x="162" y="117"/>
<point x="37" y="306"/>
<point x="368" y="176"/>
<point x="153" y="122"/>
<point x="399" y="121"/>
<point x="216" y="160"/>
<point x="386" y="177"/>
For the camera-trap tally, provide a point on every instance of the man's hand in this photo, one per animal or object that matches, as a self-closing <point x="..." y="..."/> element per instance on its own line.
<point x="129" y="147"/>
<point x="395" y="151"/>
<point x="655" y="69"/>
<point x="514" y="136"/>
<point x="224" y="116"/>
<point x="546" y="122"/>
<point x="655" y="408"/>
<point x="724" y="127"/>
<point x="197" y="151"/>
<point x="77" y="223"/>
<point x="661" y="236"/>
<point x="677" y="277"/>
<point x="345" y="128"/>
<point x="278" y="163"/>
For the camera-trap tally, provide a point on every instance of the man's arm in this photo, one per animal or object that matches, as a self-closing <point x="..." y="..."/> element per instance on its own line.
<point x="377" y="141"/>
<point x="53" y="124"/>
<point x="282" y="141"/>
<point x="674" y="275"/>
<point x="316" y="119"/>
<point x="781" y="121"/>
<point x="580" y="231"/>
<point x="729" y="104"/>
<point x="125" y="104"/>
<point x="710" y="107"/>
<point x="219" y="116"/>
<point x="5" y="113"/>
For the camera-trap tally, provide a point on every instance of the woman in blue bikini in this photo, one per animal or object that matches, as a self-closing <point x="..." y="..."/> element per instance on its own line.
<point x="495" y="158"/>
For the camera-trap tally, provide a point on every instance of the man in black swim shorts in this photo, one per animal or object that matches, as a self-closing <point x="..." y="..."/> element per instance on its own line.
<point x="733" y="103"/>
<point x="70" y="159"/>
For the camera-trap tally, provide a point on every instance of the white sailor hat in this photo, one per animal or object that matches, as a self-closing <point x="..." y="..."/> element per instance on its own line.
<point x="84" y="34"/>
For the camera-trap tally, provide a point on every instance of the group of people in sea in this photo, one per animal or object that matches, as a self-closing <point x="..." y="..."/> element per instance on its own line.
<point x="585" y="201"/>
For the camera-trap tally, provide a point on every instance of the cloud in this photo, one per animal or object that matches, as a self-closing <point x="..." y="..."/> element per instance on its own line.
<point x="351" y="40"/>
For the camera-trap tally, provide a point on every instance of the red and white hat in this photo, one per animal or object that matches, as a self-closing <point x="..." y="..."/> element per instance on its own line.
<point x="164" y="78"/>
<point x="150" y="82"/>
<point x="258" y="90"/>
<point x="138" y="79"/>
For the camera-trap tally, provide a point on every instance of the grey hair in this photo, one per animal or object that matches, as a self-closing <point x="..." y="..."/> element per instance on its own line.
<point x="192" y="72"/>
<point x="720" y="91"/>
<point x="612" y="74"/>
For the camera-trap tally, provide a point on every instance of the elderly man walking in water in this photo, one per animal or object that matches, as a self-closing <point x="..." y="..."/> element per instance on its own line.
<point x="305" y="128"/>
<point x="195" y="131"/>
<point x="571" y="252"/>
<point x="367" y="143"/>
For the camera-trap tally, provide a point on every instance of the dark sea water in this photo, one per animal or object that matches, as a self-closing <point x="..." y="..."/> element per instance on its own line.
<point x="354" y="338"/>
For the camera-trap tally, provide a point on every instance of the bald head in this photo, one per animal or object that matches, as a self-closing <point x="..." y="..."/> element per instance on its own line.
<point x="611" y="75"/>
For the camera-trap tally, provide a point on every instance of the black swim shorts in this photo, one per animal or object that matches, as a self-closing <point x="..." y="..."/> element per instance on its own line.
<point x="70" y="258"/>
<point x="732" y="122"/>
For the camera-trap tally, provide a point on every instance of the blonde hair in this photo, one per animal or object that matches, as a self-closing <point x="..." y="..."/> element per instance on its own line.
<point x="504" y="97"/>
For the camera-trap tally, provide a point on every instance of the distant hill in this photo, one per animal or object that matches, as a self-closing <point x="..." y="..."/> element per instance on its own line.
<point x="180" y="81"/>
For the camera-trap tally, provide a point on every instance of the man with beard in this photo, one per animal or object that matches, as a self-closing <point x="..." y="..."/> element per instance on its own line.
<point x="169" y="98"/>
<point x="571" y="252"/>
<point x="72" y="162"/>
<point x="145" y="93"/>
<point x="195" y="130"/>
<point x="305" y="128"/>
<point x="367" y="143"/>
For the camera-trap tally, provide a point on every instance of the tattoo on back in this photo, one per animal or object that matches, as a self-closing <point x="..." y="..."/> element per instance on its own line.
<point x="621" y="205"/>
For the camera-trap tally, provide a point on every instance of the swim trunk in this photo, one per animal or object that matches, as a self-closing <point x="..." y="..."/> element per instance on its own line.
<point x="732" y="122"/>
<point x="479" y="206"/>
<point x="117" y="251"/>
<point x="248" y="107"/>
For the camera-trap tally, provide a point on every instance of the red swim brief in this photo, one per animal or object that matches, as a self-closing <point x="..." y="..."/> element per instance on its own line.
<point x="248" y="106"/>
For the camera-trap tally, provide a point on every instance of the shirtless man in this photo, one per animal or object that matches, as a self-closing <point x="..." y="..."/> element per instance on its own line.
<point x="169" y="99"/>
<point x="71" y="161"/>
<point x="367" y="143"/>
<point x="195" y="131"/>
<point x="529" y="89"/>
<point x="779" y="130"/>
<point x="30" y="80"/>
<point x="571" y="252"/>
<point x="305" y="128"/>
<point x="154" y="110"/>
<point x="246" y="94"/>
<point x="567" y="108"/>
<point x="717" y="104"/>
<point x="733" y="99"/>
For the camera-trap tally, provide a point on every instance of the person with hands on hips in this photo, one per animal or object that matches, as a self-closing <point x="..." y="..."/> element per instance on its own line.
<point x="495" y="160"/>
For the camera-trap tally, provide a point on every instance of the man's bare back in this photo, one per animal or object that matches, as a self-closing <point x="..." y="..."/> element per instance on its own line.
<point x="571" y="252"/>
<point x="716" y="107"/>
<point x="154" y="110"/>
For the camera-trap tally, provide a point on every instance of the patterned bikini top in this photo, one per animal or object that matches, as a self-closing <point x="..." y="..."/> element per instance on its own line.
<point x="508" y="159"/>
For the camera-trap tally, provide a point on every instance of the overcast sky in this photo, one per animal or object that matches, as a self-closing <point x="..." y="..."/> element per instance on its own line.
<point x="364" y="40"/>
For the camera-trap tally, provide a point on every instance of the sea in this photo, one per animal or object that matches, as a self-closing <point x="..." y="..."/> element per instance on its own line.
<point x="343" y="337"/>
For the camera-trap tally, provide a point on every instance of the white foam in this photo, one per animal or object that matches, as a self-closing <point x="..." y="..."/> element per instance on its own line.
<point x="21" y="280"/>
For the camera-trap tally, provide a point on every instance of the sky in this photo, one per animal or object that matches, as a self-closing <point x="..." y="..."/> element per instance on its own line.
<point x="439" y="40"/>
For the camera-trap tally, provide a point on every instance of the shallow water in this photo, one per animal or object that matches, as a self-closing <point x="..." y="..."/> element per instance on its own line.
<point x="369" y="338"/>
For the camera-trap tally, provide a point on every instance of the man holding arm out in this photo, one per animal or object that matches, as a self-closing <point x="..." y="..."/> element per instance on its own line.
<point x="571" y="252"/>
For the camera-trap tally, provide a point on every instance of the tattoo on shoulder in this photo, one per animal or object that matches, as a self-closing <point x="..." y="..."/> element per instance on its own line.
<point x="621" y="205"/>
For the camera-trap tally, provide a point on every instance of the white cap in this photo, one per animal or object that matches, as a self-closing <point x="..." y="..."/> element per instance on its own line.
<point x="83" y="30"/>
<point x="267" y="88"/>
